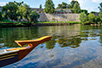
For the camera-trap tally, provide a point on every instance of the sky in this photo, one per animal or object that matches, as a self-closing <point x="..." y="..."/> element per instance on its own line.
<point x="90" y="5"/>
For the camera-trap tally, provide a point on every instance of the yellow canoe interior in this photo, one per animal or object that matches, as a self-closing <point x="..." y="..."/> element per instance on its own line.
<point x="30" y="42"/>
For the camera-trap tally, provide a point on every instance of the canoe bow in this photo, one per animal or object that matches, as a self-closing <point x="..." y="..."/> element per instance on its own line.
<point x="32" y="44"/>
<point x="9" y="56"/>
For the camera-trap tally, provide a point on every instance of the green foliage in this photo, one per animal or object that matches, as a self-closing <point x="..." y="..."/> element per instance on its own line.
<point x="93" y="12"/>
<point x="40" y="6"/>
<point x="97" y="19"/>
<point x="24" y="12"/>
<point x="34" y="16"/>
<point x="0" y="16"/>
<point x="100" y="7"/>
<point x="73" y="3"/>
<point x="49" y="7"/>
<point x="76" y="8"/>
<point x="100" y="15"/>
<point x="4" y="11"/>
<point x="91" y="18"/>
<point x="62" y="6"/>
<point x="10" y="10"/>
<point x="18" y="4"/>
<point x="59" y="6"/>
<point x="83" y="17"/>
<point x="85" y="11"/>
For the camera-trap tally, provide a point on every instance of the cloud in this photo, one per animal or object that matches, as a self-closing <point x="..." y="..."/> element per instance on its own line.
<point x="97" y="1"/>
<point x="3" y="3"/>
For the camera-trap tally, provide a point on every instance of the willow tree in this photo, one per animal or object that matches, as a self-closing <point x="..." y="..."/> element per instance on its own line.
<point x="49" y="7"/>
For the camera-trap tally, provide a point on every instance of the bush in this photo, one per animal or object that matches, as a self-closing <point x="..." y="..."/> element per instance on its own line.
<point x="91" y="18"/>
<point x="100" y="15"/>
<point x="34" y="16"/>
<point x="83" y="17"/>
<point x="97" y="19"/>
<point x="0" y="16"/>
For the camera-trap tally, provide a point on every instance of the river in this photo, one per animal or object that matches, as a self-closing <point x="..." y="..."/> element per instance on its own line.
<point x="74" y="46"/>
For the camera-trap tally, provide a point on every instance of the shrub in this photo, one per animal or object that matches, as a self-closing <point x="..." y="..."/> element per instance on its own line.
<point x="100" y="15"/>
<point x="34" y="16"/>
<point x="83" y="17"/>
<point x="0" y="16"/>
<point x="91" y="18"/>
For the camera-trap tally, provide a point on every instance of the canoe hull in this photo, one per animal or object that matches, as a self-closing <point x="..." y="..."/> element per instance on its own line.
<point x="16" y="54"/>
<point x="8" y="58"/>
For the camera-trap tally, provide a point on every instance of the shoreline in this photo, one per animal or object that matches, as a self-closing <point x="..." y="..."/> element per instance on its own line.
<point x="30" y="24"/>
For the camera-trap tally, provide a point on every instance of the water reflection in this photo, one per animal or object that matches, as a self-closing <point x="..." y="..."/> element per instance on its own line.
<point x="75" y="46"/>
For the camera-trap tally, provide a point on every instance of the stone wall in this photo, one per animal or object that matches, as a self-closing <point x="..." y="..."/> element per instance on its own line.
<point x="59" y="17"/>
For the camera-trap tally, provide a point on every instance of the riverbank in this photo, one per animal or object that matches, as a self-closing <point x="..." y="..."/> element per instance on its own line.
<point x="26" y="24"/>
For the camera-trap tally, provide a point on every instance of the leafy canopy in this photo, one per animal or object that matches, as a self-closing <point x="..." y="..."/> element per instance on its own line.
<point x="0" y="16"/>
<point x="49" y="6"/>
<point x="10" y="11"/>
<point x="34" y="16"/>
<point x="100" y="7"/>
<point x="40" y="6"/>
<point x="91" y="18"/>
<point x="83" y="17"/>
<point x="76" y="8"/>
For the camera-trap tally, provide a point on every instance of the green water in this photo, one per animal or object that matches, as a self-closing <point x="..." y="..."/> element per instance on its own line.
<point x="74" y="46"/>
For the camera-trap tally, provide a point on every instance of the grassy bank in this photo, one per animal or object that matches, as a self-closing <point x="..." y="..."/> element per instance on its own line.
<point x="62" y="22"/>
<point x="8" y="23"/>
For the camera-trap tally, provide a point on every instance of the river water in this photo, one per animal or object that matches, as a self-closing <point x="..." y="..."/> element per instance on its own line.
<point x="74" y="46"/>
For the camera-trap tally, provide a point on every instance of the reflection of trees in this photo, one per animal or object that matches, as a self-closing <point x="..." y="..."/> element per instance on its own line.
<point x="73" y="43"/>
<point x="50" y="44"/>
<point x="9" y="35"/>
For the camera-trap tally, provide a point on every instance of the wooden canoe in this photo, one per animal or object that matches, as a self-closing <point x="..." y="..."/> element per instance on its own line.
<point x="9" y="56"/>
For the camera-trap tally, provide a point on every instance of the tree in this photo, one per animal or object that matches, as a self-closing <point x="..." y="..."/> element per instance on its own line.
<point x="40" y="6"/>
<point x="85" y="11"/>
<point x="49" y="7"/>
<point x="10" y="10"/>
<point x="97" y="19"/>
<point x="91" y="18"/>
<point x="26" y="12"/>
<point x="69" y="6"/>
<point x="73" y="3"/>
<point x="34" y="16"/>
<point x="59" y="6"/>
<point x="18" y="4"/>
<point x="4" y="12"/>
<point x="0" y="16"/>
<point x="64" y="5"/>
<point x="100" y="7"/>
<point x="83" y="17"/>
<point x="100" y="15"/>
<point x="76" y="8"/>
